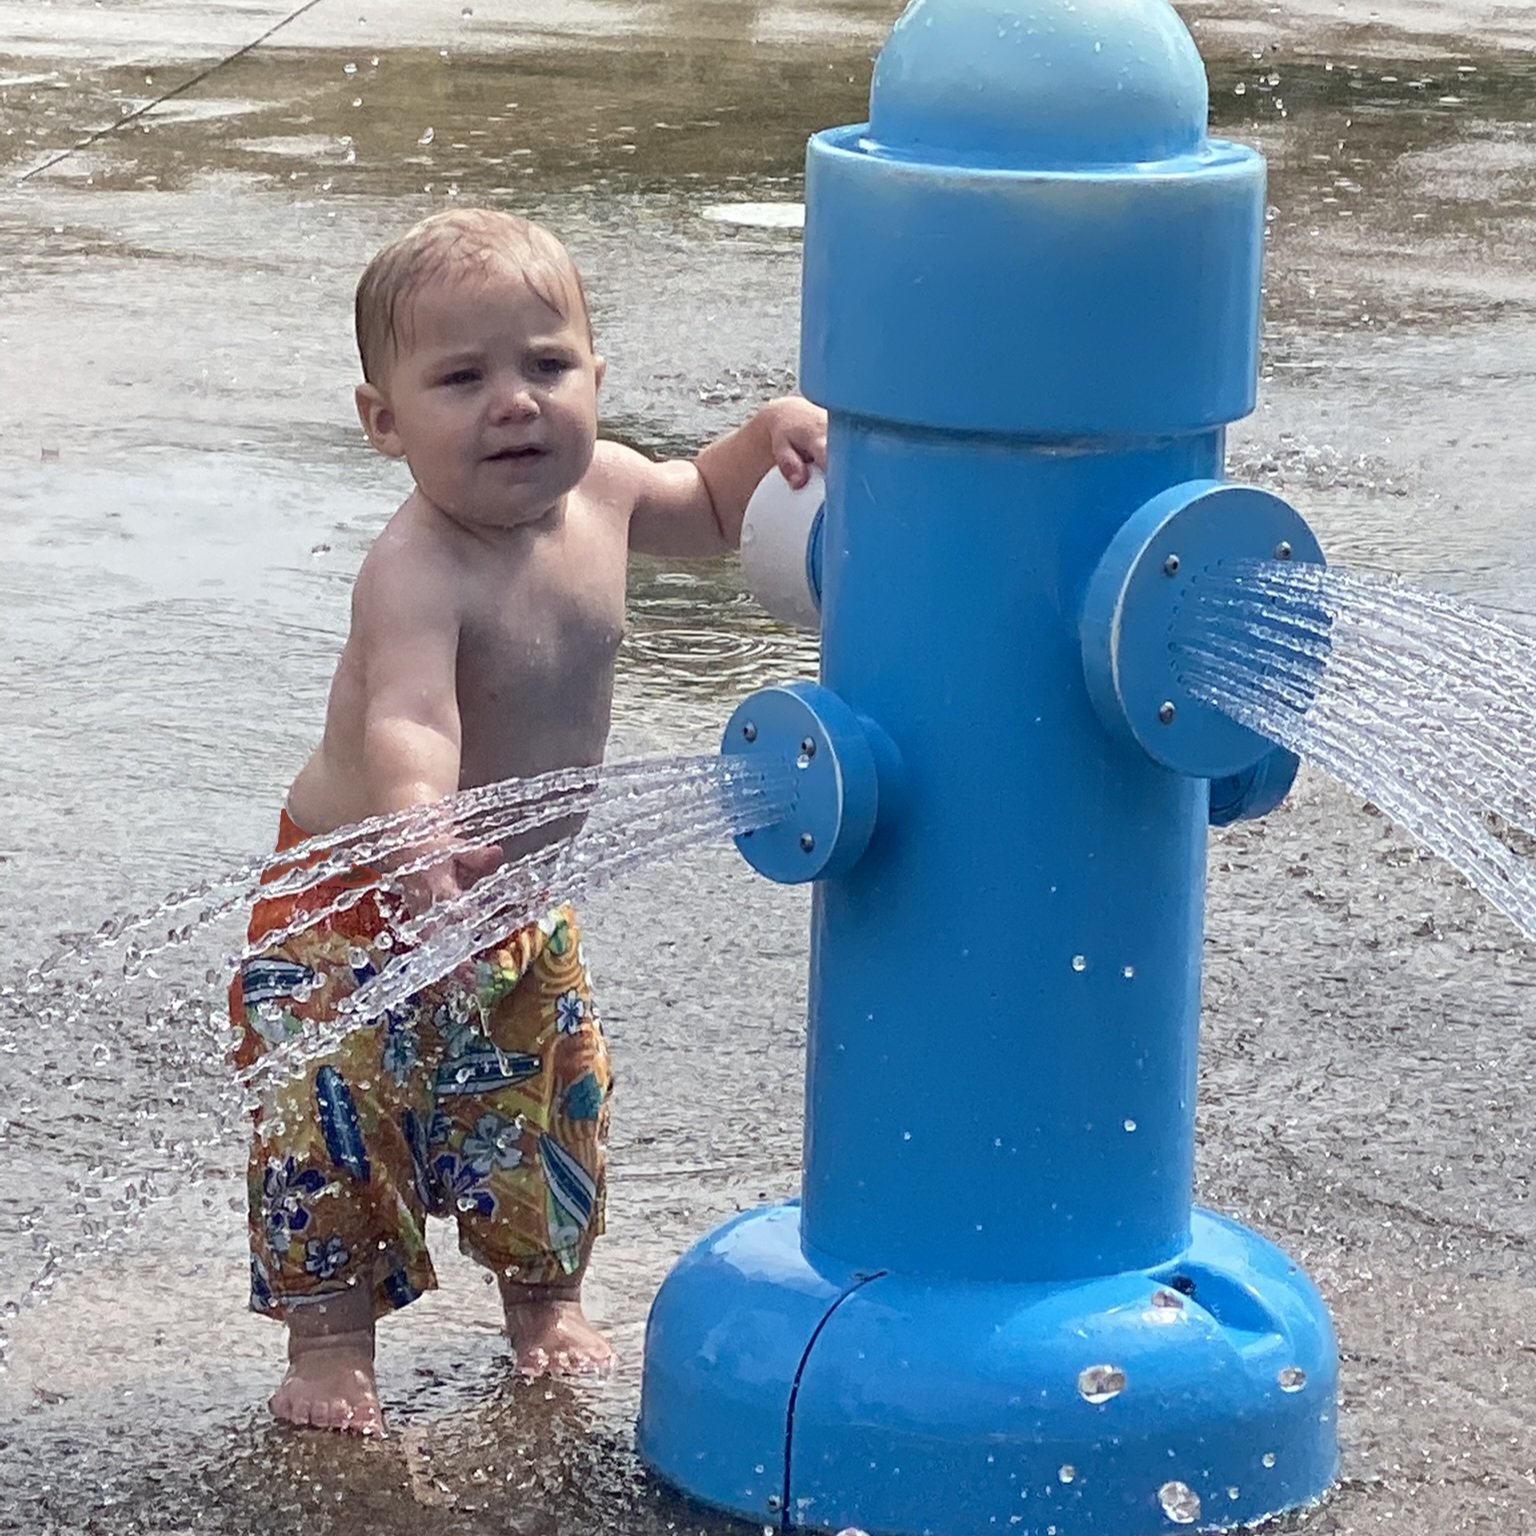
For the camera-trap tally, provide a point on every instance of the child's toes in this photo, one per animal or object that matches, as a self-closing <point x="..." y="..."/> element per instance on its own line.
<point x="365" y="1418"/>
<point x="283" y="1404"/>
<point x="533" y="1362"/>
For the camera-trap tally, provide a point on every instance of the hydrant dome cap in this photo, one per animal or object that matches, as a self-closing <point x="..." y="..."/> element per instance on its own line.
<point x="1040" y="84"/>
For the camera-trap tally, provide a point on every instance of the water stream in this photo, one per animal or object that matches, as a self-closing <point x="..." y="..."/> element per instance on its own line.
<point x="633" y="815"/>
<point x="1416" y="700"/>
<point x="1419" y="701"/>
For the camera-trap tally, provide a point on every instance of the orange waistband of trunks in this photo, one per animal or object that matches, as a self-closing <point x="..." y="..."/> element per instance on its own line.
<point x="289" y="833"/>
<point x="364" y="918"/>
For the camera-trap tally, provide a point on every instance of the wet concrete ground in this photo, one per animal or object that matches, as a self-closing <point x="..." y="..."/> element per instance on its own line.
<point x="184" y="500"/>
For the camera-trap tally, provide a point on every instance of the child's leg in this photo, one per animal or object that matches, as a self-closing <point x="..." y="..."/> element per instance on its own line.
<point x="337" y="1180"/>
<point x="549" y="1330"/>
<point x="330" y="1382"/>
<point x="520" y="1133"/>
<point x="338" y="1202"/>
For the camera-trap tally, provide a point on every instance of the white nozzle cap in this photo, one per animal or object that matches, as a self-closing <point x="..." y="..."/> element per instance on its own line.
<point x="776" y="547"/>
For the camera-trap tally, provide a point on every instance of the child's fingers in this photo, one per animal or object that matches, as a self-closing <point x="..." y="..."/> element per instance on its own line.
<point x="811" y="434"/>
<point x="424" y="890"/>
<point x="792" y="464"/>
<point x="476" y="863"/>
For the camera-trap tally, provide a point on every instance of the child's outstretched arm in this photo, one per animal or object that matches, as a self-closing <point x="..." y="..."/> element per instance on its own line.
<point x="406" y="634"/>
<point x="405" y="643"/>
<point x="693" y="508"/>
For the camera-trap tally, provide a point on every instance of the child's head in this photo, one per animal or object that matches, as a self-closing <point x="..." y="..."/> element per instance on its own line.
<point x="456" y="246"/>
<point x="478" y="364"/>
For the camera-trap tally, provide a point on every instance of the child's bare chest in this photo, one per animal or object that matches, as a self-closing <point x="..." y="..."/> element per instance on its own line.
<point x="538" y="640"/>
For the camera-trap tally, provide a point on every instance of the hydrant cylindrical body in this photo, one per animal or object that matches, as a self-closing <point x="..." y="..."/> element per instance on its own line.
<point x="1004" y="991"/>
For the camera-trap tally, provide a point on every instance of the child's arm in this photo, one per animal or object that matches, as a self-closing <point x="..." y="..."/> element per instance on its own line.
<point x="693" y="508"/>
<point x="406" y="641"/>
<point x="405" y="630"/>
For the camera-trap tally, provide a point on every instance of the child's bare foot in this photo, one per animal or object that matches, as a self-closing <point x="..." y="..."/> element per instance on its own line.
<point x="330" y="1383"/>
<point x="551" y="1335"/>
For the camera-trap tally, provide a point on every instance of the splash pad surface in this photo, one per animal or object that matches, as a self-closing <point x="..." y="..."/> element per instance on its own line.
<point x="1366" y="1019"/>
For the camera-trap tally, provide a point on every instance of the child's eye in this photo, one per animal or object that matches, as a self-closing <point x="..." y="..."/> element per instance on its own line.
<point x="553" y="365"/>
<point x="461" y="376"/>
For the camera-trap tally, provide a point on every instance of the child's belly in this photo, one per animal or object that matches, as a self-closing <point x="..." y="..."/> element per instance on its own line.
<point x="541" y="720"/>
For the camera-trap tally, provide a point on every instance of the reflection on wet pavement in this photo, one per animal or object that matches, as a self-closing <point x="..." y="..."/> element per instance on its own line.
<point x="185" y="500"/>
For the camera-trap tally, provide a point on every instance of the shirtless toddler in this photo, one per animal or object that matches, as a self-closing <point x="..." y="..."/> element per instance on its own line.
<point x="485" y="623"/>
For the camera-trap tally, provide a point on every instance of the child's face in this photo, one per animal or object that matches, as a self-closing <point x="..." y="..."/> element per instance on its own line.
<point x="491" y="399"/>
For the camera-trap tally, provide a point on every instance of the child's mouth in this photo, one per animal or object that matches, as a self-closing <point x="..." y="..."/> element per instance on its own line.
<point x="515" y="454"/>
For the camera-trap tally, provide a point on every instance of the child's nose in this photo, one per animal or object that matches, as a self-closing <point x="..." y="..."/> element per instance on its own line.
<point x="515" y="400"/>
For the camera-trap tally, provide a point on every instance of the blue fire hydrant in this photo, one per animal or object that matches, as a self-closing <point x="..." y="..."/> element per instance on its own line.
<point x="1031" y="306"/>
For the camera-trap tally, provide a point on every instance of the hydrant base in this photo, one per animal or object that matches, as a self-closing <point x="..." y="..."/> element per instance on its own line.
<point x="795" y="1392"/>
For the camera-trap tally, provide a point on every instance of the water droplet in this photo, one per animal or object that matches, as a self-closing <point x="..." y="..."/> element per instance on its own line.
<point x="1128" y="972"/>
<point x="1066" y="1474"/>
<point x="1099" y="1383"/>
<point x="1180" y="1502"/>
<point x="1292" y="1379"/>
<point x="1269" y="1458"/>
<point x="1233" y="1492"/>
<point x="428" y="134"/>
<point x="1130" y="1125"/>
<point x="1079" y="962"/>
<point x="349" y="69"/>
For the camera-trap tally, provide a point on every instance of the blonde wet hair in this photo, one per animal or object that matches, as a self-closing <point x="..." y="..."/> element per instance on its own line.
<point x="458" y="243"/>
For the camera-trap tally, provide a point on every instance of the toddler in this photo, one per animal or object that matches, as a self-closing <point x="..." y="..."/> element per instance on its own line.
<point x="485" y="623"/>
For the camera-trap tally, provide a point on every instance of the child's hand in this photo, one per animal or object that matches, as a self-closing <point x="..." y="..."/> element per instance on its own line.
<point x="459" y="866"/>
<point x="798" y="434"/>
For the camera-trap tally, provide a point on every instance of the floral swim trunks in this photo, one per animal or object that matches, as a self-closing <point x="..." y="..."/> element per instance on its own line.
<point x="483" y="1099"/>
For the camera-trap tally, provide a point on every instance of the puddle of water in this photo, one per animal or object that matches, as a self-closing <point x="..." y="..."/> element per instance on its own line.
<point x="183" y="109"/>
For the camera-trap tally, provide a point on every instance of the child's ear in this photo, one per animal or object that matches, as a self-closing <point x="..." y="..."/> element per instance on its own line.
<point x="599" y="371"/>
<point x="378" y="420"/>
